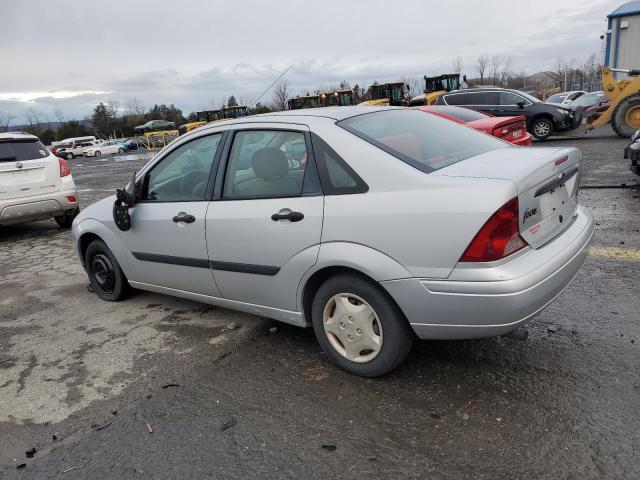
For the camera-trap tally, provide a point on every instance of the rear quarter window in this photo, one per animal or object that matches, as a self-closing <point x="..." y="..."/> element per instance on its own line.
<point x="426" y="142"/>
<point x="20" y="150"/>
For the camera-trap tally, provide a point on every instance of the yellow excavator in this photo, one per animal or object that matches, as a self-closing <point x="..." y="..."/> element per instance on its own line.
<point x="624" y="111"/>
<point x="435" y="87"/>
<point x="390" y="93"/>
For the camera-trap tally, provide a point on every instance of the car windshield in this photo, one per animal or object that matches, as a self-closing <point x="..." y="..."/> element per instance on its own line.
<point x="587" y="100"/>
<point x="529" y="97"/>
<point x="427" y="142"/>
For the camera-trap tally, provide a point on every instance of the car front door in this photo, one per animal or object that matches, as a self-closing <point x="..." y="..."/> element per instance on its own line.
<point x="509" y="104"/>
<point x="264" y="225"/>
<point x="167" y="235"/>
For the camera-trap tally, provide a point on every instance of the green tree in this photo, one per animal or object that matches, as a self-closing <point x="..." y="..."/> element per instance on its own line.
<point x="258" y="108"/>
<point x="72" y="128"/>
<point x="103" y="119"/>
<point x="232" y="102"/>
<point x="170" y="113"/>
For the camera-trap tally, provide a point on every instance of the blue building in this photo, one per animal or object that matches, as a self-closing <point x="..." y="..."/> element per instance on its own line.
<point x="623" y="37"/>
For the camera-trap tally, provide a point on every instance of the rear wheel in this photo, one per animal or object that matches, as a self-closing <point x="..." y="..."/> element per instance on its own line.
<point x="69" y="156"/>
<point x="65" y="221"/>
<point x="359" y="326"/>
<point x="105" y="275"/>
<point x="542" y="128"/>
<point x="121" y="150"/>
<point x="626" y="117"/>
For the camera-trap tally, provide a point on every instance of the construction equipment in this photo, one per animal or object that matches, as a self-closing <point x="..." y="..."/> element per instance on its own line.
<point x="624" y="111"/>
<point x="235" y="111"/>
<point x="339" y="98"/>
<point x="435" y="87"/>
<point x="203" y="117"/>
<point x="306" y="101"/>
<point x="391" y="93"/>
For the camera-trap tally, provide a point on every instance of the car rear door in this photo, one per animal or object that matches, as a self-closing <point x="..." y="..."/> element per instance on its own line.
<point x="264" y="226"/>
<point x="27" y="168"/>
<point x="167" y="235"/>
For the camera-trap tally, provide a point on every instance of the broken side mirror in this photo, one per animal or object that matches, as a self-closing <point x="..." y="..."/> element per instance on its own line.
<point x="125" y="199"/>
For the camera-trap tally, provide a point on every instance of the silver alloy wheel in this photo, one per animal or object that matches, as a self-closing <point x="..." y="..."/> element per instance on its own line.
<point x="352" y="327"/>
<point x="541" y="129"/>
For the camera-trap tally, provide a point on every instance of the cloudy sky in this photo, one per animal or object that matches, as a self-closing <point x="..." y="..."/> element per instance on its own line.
<point x="70" y="55"/>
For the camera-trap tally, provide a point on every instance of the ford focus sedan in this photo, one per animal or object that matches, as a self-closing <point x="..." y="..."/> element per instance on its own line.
<point x="373" y="225"/>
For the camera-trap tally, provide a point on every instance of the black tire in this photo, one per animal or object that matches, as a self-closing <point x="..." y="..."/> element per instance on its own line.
<point x="121" y="150"/>
<point x="65" y="221"/>
<point x="618" y="119"/>
<point x="97" y="154"/>
<point x="397" y="336"/>
<point x="69" y="156"/>
<point x="541" y="128"/>
<point x="105" y="275"/>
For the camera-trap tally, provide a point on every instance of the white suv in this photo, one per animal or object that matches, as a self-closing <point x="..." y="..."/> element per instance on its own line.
<point x="34" y="183"/>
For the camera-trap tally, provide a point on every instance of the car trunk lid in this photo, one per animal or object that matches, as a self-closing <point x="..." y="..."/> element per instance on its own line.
<point x="546" y="181"/>
<point x="27" y="168"/>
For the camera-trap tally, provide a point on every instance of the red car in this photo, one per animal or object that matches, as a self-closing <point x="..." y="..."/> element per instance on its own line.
<point x="509" y="129"/>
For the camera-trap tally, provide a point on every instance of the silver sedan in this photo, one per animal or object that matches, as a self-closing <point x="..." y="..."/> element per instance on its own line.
<point x="373" y="225"/>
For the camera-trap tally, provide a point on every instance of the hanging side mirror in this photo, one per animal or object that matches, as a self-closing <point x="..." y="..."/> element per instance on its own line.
<point x="125" y="199"/>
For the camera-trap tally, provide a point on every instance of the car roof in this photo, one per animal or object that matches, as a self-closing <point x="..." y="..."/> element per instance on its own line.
<point x="306" y="116"/>
<point x="18" y="135"/>
<point x="484" y="89"/>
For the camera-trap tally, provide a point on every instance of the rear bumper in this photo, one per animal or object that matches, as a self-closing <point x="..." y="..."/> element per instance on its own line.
<point x="524" y="141"/>
<point x="38" y="207"/>
<point x="485" y="301"/>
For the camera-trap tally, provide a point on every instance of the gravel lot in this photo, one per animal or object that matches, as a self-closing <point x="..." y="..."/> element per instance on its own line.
<point x="143" y="388"/>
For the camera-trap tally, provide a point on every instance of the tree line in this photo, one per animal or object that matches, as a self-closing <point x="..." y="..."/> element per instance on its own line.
<point x="113" y="120"/>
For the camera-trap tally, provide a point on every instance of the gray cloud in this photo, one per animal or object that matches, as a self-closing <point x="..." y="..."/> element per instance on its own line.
<point x="195" y="54"/>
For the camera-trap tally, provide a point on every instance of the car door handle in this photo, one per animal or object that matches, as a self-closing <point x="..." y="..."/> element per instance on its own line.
<point x="291" y="216"/>
<point x="184" y="217"/>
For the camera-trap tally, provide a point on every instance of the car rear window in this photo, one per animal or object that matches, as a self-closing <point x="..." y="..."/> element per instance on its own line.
<point x="426" y="142"/>
<point x="18" y="150"/>
<point x="464" y="114"/>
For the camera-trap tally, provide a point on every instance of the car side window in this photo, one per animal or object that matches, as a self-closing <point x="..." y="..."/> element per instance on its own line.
<point x="265" y="164"/>
<point x="183" y="175"/>
<point x="458" y="99"/>
<point x="485" y="98"/>
<point x="508" y="98"/>
<point x="336" y="175"/>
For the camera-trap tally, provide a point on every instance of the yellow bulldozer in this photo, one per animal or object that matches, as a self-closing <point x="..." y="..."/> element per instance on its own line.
<point x="390" y="93"/>
<point x="435" y="87"/>
<point x="624" y="111"/>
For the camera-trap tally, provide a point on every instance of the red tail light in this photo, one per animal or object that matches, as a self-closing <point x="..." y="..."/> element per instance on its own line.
<point x="64" y="167"/>
<point x="508" y="129"/>
<point x="499" y="237"/>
